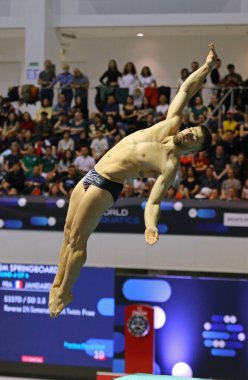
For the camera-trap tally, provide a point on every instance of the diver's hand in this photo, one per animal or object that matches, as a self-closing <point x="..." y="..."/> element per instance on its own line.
<point x="151" y="235"/>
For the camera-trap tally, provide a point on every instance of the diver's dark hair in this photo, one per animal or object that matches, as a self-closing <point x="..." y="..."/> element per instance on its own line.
<point x="207" y="138"/>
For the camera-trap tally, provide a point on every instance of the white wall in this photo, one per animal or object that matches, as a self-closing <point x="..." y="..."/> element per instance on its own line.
<point x="182" y="253"/>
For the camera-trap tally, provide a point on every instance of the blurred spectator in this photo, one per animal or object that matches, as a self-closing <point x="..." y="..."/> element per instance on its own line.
<point x="84" y="162"/>
<point x="137" y="97"/>
<point x="99" y="145"/>
<point x="186" y="123"/>
<point x="80" y="106"/>
<point x="112" y="130"/>
<point x="232" y="80"/>
<point x="59" y="128"/>
<point x="230" y="182"/>
<point x="138" y="186"/>
<point x="25" y="140"/>
<point x="111" y="107"/>
<point x="29" y="161"/>
<point x="183" y="76"/>
<point x="27" y="123"/>
<point x="229" y="125"/>
<point x="197" y="109"/>
<point x="14" y="178"/>
<point x="69" y="181"/>
<point x="65" y="79"/>
<point x="214" y="194"/>
<point x="80" y="83"/>
<point x="13" y="158"/>
<point x="44" y="126"/>
<point x="53" y="190"/>
<point x="232" y="194"/>
<point x="190" y="185"/>
<point x="163" y="105"/>
<point x="146" y="79"/>
<point x="244" y="194"/>
<point x="83" y="140"/>
<point x="36" y="183"/>
<point x="220" y="163"/>
<point x="129" y="116"/>
<point x="128" y="191"/>
<point x="215" y="74"/>
<point x="46" y="77"/>
<point x="213" y="114"/>
<point x="200" y="163"/>
<point x="144" y="110"/>
<point x="171" y="193"/>
<point x="65" y="161"/>
<point x="96" y="123"/>
<point x="240" y="167"/>
<point x="216" y="140"/>
<point x="129" y="78"/>
<point x="5" y="109"/>
<point x="10" y="128"/>
<point x="232" y="145"/>
<point x="208" y="180"/>
<point x="77" y="125"/>
<point x="244" y="133"/>
<point x="66" y="143"/>
<point x="61" y="107"/>
<point x="49" y="164"/>
<point x="111" y="76"/>
<point x="45" y="107"/>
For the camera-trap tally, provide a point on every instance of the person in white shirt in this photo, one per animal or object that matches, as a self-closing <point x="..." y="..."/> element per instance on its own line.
<point x="163" y="105"/>
<point x="129" y="78"/>
<point x="146" y="79"/>
<point x="99" y="145"/>
<point x="84" y="161"/>
<point x="66" y="143"/>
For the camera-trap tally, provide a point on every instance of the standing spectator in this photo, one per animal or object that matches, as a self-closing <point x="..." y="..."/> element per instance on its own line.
<point x="99" y="146"/>
<point x="220" y="163"/>
<point x="80" y="83"/>
<point x="111" y="76"/>
<point x="65" y="79"/>
<point x="146" y="79"/>
<point x="69" y="181"/>
<point x="29" y="161"/>
<point x="215" y="74"/>
<point x="45" y="107"/>
<point x="129" y="78"/>
<point x="232" y="80"/>
<point x="183" y="76"/>
<point x="46" y="77"/>
<point x="84" y="162"/>
<point x="44" y="126"/>
<point x="66" y="143"/>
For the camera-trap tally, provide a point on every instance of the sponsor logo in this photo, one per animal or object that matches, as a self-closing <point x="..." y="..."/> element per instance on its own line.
<point x="235" y="220"/>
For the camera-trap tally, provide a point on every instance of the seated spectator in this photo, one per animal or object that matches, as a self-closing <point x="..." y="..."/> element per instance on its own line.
<point x="240" y="167"/>
<point x="244" y="194"/>
<point x="65" y="161"/>
<point x="129" y="116"/>
<point x="190" y="185"/>
<point x="129" y="78"/>
<point x="220" y="163"/>
<point x="49" y="164"/>
<point x="111" y="107"/>
<point x="232" y="194"/>
<point x="112" y="130"/>
<point x="232" y="145"/>
<point x="66" y="143"/>
<point x="244" y="132"/>
<point x="144" y="110"/>
<point x="186" y="123"/>
<point x="99" y="146"/>
<point x="138" y="186"/>
<point x="40" y="146"/>
<point x="25" y="140"/>
<point x="148" y="122"/>
<point x="208" y="181"/>
<point x="64" y="79"/>
<point x="80" y="105"/>
<point x="162" y="107"/>
<point x="146" y="79"/>
<point x="83" y="140"/>
<point x="84" y="162"/>
<point x="61" y="126"/>
<point x="44" y="127"/>
<point x="170" y="193"/>
<point x="46" y="77"/>
<point x="230" y="182"/>
<point x="13" y="158"/>
<point x="53" y="190"/>
<point x="200" y="163"/>
<point x="6" y="108"/>
<point x="35" y="184"/>
<point x="183" y="76"/>
<point x="229" y="125"/>
<point x="214" y="116"/>
<point x="10" y="128"/>
<point x="77" y="125"/>
<point x="127" y="191"/>
<point x="61" y="107"/>
<point x="26" y="123"/>
<point x="97" y="123"/>
<point x="216" y="140"/>
<point x="198" y="109"/>
<point x="69" y="181"/>
<point x="111" y="76"/>
<point x="214" y="194"/>
<point x="45" y="107"/>
<point x="29" y="161"/>
<point x="14" y="179"/>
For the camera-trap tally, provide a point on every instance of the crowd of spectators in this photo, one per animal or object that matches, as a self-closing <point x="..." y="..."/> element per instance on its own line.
<point x="47" y="153"/>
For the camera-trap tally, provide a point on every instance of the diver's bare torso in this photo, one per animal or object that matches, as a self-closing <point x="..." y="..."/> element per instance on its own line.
<point x="141" y="154"/>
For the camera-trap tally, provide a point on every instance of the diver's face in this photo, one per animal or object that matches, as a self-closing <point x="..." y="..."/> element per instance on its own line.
<point x="191" y="138"/>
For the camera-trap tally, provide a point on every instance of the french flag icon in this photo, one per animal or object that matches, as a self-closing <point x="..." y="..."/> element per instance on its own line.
<point x="18" y="284"/>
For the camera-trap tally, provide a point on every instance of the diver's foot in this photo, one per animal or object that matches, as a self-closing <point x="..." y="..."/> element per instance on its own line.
<point x="212" y="55"/>
<point x="58" y="301"/>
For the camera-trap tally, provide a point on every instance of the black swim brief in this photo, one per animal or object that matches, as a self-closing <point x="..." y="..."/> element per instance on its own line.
<point x="94" y="178"/>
